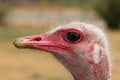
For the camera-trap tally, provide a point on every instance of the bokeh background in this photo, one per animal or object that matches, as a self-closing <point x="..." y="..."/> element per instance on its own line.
<point x="30" y="17"/>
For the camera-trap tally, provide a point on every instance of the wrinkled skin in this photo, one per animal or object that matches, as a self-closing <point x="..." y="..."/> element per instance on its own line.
<point x="86" y="59"/>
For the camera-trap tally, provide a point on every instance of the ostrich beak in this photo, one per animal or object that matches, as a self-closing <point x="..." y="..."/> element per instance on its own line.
<point x="39" y="42"/>
<point x="27" y="41"/>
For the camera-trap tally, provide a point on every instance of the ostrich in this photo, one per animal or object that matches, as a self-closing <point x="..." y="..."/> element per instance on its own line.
<point x="82" y="48"/>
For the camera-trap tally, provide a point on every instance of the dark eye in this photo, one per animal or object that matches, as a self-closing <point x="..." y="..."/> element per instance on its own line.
<point x="73" y="36"/>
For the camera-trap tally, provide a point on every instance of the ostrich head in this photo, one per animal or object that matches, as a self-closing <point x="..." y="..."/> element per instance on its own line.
<point x="82" y="48"/>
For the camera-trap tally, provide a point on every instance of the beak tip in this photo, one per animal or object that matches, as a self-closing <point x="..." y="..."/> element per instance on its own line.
<point x="18" y="43"/>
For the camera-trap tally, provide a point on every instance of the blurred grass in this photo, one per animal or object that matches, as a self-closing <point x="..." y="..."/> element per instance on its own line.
<point x="16" y="64"/>
<point x="7" y="33"/>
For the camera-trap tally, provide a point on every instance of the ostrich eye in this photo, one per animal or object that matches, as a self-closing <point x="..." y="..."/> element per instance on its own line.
<point x="73" y="36"/>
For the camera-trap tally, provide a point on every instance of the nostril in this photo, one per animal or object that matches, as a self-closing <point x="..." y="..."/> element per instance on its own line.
<point x="37" y="39"/>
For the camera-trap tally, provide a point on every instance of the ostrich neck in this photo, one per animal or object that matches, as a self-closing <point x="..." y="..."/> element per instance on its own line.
<point x="82" y="70"/>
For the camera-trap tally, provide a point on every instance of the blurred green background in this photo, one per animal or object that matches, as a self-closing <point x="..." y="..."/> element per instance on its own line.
<point x="30" y="17"/>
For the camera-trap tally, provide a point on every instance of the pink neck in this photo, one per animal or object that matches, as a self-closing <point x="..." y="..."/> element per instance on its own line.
<point x="95" y="72"/>
<point x="82" y="70"/>
<point x="98" y="71"/>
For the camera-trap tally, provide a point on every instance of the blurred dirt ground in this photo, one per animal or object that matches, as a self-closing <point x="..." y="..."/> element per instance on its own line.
<point x="25" y="64"/>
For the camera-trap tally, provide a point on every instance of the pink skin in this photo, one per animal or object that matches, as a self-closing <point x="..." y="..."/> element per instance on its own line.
<point x="77" y="57"/>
